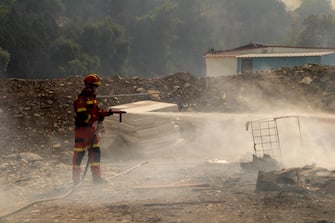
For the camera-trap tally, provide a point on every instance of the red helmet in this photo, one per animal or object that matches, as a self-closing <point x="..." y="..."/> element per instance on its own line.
<point x="92" y="79"/>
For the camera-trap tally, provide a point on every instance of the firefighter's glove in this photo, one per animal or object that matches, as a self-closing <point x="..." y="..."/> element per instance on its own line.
<point x="101" y="118"/>
<point x="109" y="112"/>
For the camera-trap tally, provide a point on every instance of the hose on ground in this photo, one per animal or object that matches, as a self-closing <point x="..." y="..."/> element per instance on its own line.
<point x="72" y="189"/>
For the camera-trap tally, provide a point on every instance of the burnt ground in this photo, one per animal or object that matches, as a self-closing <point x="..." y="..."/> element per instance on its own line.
<point x="36" y="145"/>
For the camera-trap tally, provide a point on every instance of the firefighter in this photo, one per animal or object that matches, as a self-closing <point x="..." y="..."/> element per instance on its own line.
<point x="87" y="111"/>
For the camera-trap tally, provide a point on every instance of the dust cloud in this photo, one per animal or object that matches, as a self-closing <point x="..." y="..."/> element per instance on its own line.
<point x="317" y="146"/>
<point x="7" y="200"/>
<point x="305" y="139"/>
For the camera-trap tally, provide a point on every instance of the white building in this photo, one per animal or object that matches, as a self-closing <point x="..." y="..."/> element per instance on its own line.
<point x="254" y="57"/>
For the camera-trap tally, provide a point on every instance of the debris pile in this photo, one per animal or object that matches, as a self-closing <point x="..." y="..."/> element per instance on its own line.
<point x="308" y="178"/>
<point x="142" y="129"/>
<point x="37" y="114"/>
<point x="265" y="163"/>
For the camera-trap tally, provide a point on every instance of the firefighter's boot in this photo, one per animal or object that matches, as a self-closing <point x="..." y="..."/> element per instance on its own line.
<point x="96" y="173"/>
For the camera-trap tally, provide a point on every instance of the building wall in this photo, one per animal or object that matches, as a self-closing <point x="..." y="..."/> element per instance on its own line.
<point x="220" y="66"/>
<point x="328" y="60"/>
<point x="226" y="63"/>
<point x="259" y="64"/>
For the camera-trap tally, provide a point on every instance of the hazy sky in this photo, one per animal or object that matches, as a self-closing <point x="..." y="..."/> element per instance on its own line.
<point x="293" y="4"/>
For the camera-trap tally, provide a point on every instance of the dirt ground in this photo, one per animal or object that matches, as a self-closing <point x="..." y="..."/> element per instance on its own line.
<point x="176" y="189"/>
<point x="186" y="182"/>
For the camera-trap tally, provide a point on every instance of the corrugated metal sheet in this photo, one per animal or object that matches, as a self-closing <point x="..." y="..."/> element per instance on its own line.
<point x="260" y="46"/>
<point x="305" y="54"/>
<point x="221" y="55"/>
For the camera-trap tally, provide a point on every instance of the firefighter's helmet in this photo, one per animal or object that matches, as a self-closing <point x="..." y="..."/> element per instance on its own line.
<point x="92" y="79"/>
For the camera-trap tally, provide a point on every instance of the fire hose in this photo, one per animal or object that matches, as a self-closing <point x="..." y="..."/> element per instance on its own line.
<point x="73" y="188"/>
<point x="120" y="114"/>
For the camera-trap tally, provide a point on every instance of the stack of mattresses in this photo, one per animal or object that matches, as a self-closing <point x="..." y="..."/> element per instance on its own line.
<point x="140" y="128"/>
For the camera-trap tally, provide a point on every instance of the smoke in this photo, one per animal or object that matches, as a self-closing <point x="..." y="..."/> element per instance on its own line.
<point x="317" y="142"/>
<point x="305" y="139"/>
<point x="207" y="136"/>
<point x="217" y="136"/>
<point x="294" y="4"/>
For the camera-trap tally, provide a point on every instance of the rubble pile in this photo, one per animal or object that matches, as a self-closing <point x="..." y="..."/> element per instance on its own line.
<point x="316" y="82"/>
<point x="37" y="114"/>
<point x="29" y="171"/>
<point x="304" y="179"/>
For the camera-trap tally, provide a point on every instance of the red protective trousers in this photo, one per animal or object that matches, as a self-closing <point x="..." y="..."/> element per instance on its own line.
<point x="85" y="139"/>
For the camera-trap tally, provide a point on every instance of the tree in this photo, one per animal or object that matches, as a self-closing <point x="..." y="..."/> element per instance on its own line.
<point x="4" y="60"/>
<point x="153" y="35"/>
<point x="27" y="35"/>
<point x="193" y="37"/>
<point x="105" y="40"/>
<point x="239" y="22"/>
<point x="312" y="25"/>
<point x="63" y="51"/>
<point x="83" y="65"/>
<point x="5" y="8"/>
<point x="319" y="31"/>
<point x="314" y="7"/>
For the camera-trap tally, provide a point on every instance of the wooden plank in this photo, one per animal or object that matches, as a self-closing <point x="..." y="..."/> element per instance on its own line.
<point x="139" y="120"/>
<point x="147" y="106"/>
